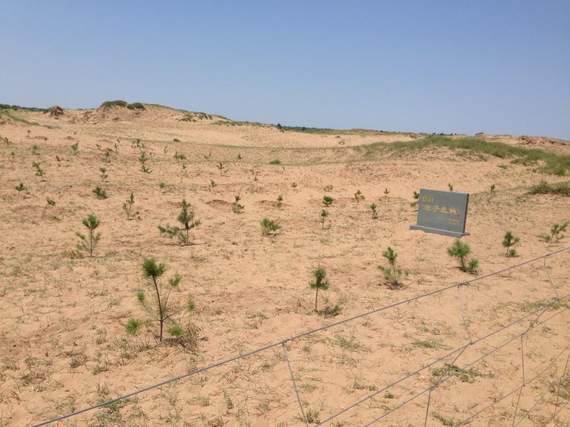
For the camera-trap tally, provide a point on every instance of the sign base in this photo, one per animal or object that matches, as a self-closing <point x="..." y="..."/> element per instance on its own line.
<point x="438" y="231"/>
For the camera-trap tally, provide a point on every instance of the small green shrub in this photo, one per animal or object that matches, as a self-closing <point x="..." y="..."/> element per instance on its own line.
<point x="320" y="282"/>
<point x="117" y="103"/>
<point x="75" y="149"/>
<point x="555" y="235"/>
<point x="161" y="309"/>
<point x="49" y="203"/>
<point x="358" y="196"/>
<point x="88" y="243"/>
<point x="19" y="188"/>
<point x="373" y="207"/>
<point x="128" y="206"/>
<point x="269" y="227"/>
<point x="38" y="170"/>
<point x="275" y="162"/>
<point x="416" y="198"/>
<point x="327" y="200"/>
<point x="508" y="242"/>
<point x="392" y="274"/>
<point x="324" y="215"/>
<point x="461" y="251"/>
<point x="279" y="203"/>
<point x="100" y="193"/>
<point x="236" y="207"/>
<point x="562" y="188"/>
<point x="186" y="218"/>
<point x="104" y="175"/>
<point x="136" y="106"/>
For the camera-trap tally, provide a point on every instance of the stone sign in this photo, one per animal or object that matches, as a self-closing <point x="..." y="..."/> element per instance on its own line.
<point x="442" y="212"/>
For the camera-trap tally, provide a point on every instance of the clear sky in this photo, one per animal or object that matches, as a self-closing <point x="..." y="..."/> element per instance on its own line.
<point x="434" y="66"/>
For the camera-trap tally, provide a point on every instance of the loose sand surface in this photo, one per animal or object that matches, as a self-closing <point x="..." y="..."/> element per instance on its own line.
<point x="63" y="344"/>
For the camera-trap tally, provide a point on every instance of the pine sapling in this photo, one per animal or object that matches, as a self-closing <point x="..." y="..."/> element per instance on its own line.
<point x="493" y="189"/>
<point x="128" y="206"/>
<point x="416" y="198"/>
<point x="143" y="159"/>
<point x="320" y="282"/>
<point x="213" y="185"/>
<point x="161" y="309"/>
<point x="392" y="273"/>
<point x="358" y="196"/>
<point x="186" y="218"/>
<point x="220" y="167"/>
<point x="508" y="242"/>
<point x="327" y="200"/>
<point x="324" y="215"/>
<point x="19" y="188"/>
<point x="35" y="150"/>
<point x="75" y="149"/>
<point x="269" y="227"/>
<point x="386" y="192"/>
<point x="236" y="207"/>
<point x="461" y="251"/>
<point x="104" y="175"/>
<point x="279" y="203"/>
<point x="373" y="208"/>
<point x="49" y="202"/>
<point x="450" y="186"/>
<point x="293" y="185"/>
<point x="100" y="193"/>
<point x="88" y="243"/>
<point x="555" y="233"/>
<point x="38" y="170"/>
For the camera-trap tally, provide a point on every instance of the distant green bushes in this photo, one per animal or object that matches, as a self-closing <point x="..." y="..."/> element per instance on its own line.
<point x="547" y="161"/>
<point x="561" y="188"/>
<point x="124" y="104"/>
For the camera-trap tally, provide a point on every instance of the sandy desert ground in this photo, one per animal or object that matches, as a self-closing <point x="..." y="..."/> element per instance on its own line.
<point x="63" y="343"/>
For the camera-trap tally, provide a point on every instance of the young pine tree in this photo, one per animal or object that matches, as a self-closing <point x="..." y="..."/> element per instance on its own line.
<point x="320" y="282"/>
<point x="392" y="274"/>
<point x="373" y="209"/>
<point x="358" y="196"/>
<point x="19" y="188"/>
<point x="327" y="200"/>
<point x="186" y="218"/>
<point x="160" y="309"/>
<point x="49" y="202"/>
<point x="236" y="206"/>
<point x="88" y="243"/>
<point x="461" y="251"/>
<point x="269" y="227"/>
<point x="508" y="242"/>
<point x="416" y="198"/>
<point x="324" y="215"/>
<point x="555" y="233"/>
<point x="128" y="206"/>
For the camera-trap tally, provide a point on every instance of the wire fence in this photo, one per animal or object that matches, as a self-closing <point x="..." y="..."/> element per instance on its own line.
<point x="535" y="316"/>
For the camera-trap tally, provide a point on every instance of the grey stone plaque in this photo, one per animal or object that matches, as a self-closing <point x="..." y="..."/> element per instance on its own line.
<point x="442" y="212"/>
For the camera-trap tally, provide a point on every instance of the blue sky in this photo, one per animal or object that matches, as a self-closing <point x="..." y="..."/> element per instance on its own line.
<point x="433" y="66"/>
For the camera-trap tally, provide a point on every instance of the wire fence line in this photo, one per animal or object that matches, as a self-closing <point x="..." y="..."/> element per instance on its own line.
<point x="461" y="350"/>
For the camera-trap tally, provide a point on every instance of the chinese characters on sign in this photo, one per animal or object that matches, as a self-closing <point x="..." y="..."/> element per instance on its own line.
<point x="442" y="212"/>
